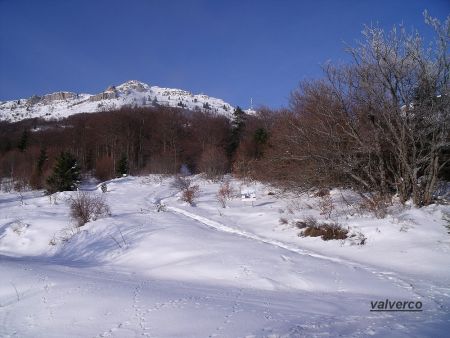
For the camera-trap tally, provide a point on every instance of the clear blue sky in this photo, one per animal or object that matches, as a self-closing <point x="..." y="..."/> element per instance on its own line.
<point x="229" y="49"/>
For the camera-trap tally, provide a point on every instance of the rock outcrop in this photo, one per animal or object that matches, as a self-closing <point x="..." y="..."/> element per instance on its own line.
<point x="109" y="93"/>
<point x="58" y="96"/>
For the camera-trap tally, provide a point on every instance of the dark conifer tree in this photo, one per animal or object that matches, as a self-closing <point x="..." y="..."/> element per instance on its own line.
<point x="66" y="174"/>
<point x="238" y="124"/>
<point x="122" y="166"/>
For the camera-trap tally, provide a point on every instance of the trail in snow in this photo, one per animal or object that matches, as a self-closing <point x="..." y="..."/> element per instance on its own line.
<point x="221" y="227"/>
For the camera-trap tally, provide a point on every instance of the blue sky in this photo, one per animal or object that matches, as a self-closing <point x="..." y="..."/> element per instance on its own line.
<point x="229" y="49"/>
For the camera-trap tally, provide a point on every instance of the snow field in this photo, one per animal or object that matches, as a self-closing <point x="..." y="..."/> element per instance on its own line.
<point x="207" y="271"/>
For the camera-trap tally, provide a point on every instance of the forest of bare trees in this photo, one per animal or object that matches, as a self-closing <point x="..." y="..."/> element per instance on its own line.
<point x="156" y="140"/>
<point x="379" y="124"/>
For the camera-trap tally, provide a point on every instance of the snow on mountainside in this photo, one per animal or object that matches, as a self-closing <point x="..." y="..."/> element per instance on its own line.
<point x="131" y="93"/>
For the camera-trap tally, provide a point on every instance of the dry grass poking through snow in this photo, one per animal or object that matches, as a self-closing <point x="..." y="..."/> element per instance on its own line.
<point x="326" y="231"/>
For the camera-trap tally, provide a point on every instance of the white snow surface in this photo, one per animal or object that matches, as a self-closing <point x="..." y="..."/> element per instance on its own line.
<point x="132" y="93"/>
<point x="208" y="271"/>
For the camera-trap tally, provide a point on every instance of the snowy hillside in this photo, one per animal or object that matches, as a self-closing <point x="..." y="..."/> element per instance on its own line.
<point x="132" y="93"/>
<point x="159" y="267"/>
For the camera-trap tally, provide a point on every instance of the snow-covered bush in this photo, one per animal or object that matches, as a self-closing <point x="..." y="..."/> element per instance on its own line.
<point x="85" y="207"/>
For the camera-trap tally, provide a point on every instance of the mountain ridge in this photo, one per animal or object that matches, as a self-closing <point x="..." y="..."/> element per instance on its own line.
<point x="132" y="93"/>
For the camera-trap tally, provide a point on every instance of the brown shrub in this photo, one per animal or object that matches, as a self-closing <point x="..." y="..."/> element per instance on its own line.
<point x="326" y="231"/>
<point x="190" y="194"/>
<point x="225" y="193"/>
<point x="85" y="207"/>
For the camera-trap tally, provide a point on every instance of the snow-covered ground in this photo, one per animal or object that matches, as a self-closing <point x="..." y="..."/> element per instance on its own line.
<point x="208" y="271"/>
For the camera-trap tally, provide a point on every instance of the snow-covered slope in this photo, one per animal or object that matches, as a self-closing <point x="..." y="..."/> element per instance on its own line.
<point x="208" y="271"/>
<point x="131" y="93"/>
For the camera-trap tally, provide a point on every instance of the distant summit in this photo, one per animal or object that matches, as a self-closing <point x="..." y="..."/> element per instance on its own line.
<point x="129" y="94"/>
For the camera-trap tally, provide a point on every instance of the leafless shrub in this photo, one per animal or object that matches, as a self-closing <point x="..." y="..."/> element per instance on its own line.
<point x="326" y="205"/>
<point x="85" y="207"/>
<point x="190" y="194"/>
<point x="283" y="220"/>
<point x="225" y="193"/>
<point x="376" y="204"/>
<point x="227" y="190"/>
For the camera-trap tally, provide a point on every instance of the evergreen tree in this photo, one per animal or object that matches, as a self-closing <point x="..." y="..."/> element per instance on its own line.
<point x="239" y="118"/>
<point x="66" y="174"/>
<point x="260" y="137"/>
<point x="122" y="166"/>
<point x="237" y="124"/>
<point x="23" y="143"/>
